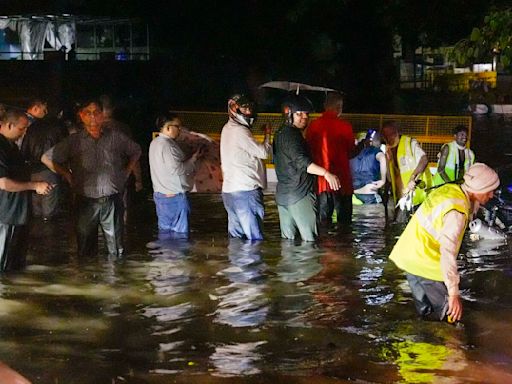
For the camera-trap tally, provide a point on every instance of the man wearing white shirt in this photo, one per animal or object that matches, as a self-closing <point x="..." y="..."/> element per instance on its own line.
<point x="243" y="170"/>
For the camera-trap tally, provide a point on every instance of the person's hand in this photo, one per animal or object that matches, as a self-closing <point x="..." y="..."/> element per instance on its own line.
<point x="138" y="185"/>
<point x="368" y="189"/>
<point x="267" y="128"/>
<point x="411" y="186"/>
<point x="378" y="184"/>
<point x="42" y="187"/>
<point x="69" y="178"/>
<point x="198" y="153"/>
<point x="332" y="180"/>
<point x="454" y="308"/>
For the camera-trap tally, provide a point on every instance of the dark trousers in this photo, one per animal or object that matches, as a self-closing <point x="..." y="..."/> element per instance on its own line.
<point x="330" y="201"/>
<point x="13" y="246"/>
<point x="106" y="212"/>
<point x="46" y="205"/>
<point x="430" y="297"/>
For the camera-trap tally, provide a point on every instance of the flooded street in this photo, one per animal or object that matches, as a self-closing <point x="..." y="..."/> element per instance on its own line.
<point x="213" y="310"/>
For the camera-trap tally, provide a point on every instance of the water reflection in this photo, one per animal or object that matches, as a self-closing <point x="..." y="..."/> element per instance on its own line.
<point x="185" y="310"/>
<point x="243" y="302"/>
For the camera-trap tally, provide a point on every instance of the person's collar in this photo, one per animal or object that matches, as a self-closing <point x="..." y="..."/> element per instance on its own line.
<point x="330" y="113"/>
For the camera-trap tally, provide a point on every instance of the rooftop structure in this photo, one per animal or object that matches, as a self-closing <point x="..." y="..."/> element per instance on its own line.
<point x="70" y="37"/>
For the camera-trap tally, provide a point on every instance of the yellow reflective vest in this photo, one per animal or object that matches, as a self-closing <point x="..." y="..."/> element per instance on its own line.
<point x="407" y="163"/>
<point x="452" y="162"/>
<point x="417" y="251"/>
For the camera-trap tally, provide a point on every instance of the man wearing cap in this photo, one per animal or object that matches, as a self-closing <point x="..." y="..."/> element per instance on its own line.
<point x="295" y="170"/>
<point x="243" y="170"/>
<point x="427" y="250"/>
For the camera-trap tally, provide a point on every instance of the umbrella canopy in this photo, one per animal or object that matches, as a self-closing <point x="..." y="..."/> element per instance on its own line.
<point x="293" y="86"/>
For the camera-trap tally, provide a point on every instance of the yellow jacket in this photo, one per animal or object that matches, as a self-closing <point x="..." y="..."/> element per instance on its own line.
<point x="407" y="163"/>
<point x="417" y="251"/>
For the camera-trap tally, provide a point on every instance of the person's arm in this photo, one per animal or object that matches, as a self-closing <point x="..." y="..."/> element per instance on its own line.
<point x="454" y="223"/>
<point x="248" y="143"/>
<point x="331" y="178"/>
<point x="383" y="166"/>
<point x="442" y="163"/>
<point x="422" y="164"/>
<point x="52" y="159"/>
<point x="10" y="185"/>
<point x="131" y="149"/>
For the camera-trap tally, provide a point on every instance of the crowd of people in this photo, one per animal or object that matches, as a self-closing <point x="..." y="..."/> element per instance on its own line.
<point x="321" y="169"/>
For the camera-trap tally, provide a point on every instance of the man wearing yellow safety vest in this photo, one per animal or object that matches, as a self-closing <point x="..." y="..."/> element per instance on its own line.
<point x="454" y="159"/>
<point x="407" y="165"/>
<point x="427" y="249"/>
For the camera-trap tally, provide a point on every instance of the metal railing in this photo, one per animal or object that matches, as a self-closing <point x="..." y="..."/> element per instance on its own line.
<point x="430" y="130"/>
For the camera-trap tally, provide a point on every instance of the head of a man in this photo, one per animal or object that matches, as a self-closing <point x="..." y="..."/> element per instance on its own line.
<point x="390" y="133"/>
<point x="37" y="108"/>
<point x="91" y="116"/>
<point x="296" y="109"/>
<point x="460" y="134"/>
<point x="169" y="125"/>
<point x="241" y="108"/>
<point x="334" y="102"/>
<point x="480" y="182"/>
<point x="13" y="124"/>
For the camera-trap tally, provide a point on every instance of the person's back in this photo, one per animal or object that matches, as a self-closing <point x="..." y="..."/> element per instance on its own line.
<point x="40" y="137"/>
<point x="331" y="142"/>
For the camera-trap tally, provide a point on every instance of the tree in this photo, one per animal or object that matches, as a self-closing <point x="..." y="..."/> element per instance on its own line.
<point x="492" y="39"/>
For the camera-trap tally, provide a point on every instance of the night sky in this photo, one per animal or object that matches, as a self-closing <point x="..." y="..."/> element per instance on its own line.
<point x="214" y="47"/>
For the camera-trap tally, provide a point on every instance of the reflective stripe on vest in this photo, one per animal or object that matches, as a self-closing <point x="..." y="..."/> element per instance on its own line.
<point x="407" y="164"/>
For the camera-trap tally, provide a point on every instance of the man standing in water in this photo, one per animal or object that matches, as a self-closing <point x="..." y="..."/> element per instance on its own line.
<point x="243" y="170"/>
<point x="331" y="142"/>
<point x="295" y="195"/>
<point x="427" y="250"/>
<point x="96" y="162"/>
<point x="407" y="165"/>
<point x="454" y="159"/>
<point x="15" y="185"/>
<point x="171" y="175"/>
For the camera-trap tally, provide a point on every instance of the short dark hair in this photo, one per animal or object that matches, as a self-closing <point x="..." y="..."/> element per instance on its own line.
<point x="81" y="104"/>
<point x="36" y="101"/>
<point x="12" y="115"/>
<point x="333" y="99"/>
<point x="164" y="118"/>
<point x="460" y="128"/>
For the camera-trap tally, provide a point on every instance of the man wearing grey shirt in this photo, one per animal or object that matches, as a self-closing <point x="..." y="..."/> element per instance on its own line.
<point x="96" y="162"/>
<point x="171" y="175"/>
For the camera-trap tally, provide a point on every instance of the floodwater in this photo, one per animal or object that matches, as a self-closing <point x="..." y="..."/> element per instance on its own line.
<point x="214" y="310"/>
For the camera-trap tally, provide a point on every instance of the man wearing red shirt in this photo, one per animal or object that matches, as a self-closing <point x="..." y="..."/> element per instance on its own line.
<point x="331" y="142"/>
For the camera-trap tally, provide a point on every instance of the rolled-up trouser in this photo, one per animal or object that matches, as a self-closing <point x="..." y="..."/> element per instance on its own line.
<point x="330" y="201"/>
<point x="46" y="205"/>
<point x="13" y="246"/>
<point x="172" y="212"/>
<point x="106" y="212"/>
<point x="430" y="297"/>
<point x="299" y="216"/>
<point x="245" y="214"/>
